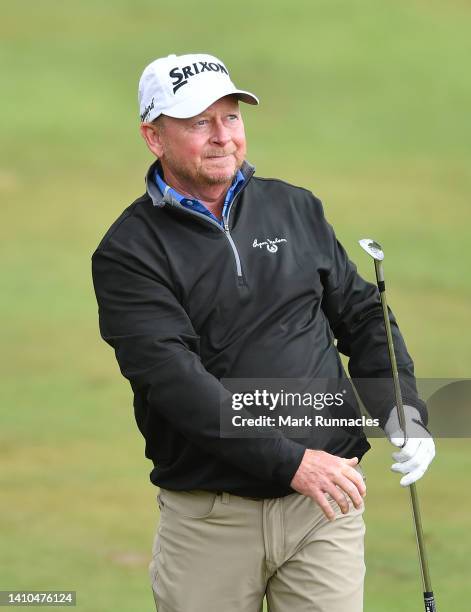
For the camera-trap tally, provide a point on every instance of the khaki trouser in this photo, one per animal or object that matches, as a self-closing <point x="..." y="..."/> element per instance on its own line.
<point x="224" y="553"/>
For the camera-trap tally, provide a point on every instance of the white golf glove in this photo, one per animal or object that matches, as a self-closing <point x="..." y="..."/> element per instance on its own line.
<point x="414" y="458"/>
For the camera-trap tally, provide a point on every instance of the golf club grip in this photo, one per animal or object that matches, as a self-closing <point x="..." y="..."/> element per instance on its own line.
<point x="429" y="601"/>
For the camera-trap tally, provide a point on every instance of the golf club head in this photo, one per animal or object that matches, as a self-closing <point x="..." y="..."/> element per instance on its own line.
<point x="373" y="248"/>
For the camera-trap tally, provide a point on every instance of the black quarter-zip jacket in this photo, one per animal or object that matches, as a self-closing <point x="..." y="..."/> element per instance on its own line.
<point x="186" y="303"/>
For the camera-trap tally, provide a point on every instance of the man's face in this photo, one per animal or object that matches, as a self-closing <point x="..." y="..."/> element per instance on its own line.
<point x="207" y="149"/>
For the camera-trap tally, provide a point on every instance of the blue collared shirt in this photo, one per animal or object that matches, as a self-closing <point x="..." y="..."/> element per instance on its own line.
<point x="196" y="205"/>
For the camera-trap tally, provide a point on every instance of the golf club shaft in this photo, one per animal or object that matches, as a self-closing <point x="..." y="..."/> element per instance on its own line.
<point x="427" y="586"/>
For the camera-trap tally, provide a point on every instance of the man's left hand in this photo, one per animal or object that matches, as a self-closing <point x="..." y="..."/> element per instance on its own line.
<point x="416" y="455"/>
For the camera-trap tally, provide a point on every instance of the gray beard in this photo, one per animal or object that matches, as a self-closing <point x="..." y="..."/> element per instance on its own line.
<point x="216" y="180"/>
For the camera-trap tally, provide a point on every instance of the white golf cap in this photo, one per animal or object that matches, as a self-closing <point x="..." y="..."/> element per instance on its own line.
<point x="183" y="86"/>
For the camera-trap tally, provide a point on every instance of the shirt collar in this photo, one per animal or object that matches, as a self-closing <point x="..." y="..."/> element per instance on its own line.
<point x="166" y="189"/>
<point x="159" y="199"/>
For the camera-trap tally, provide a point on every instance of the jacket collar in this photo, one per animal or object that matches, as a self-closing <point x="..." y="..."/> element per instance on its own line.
<point x="159" y="199"/>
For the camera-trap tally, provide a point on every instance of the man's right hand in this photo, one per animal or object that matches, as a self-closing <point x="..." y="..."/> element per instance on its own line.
<point x="320" y="473"/>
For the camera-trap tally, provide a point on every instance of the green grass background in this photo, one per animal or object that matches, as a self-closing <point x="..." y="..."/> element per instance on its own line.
<point x="366" y="103"/>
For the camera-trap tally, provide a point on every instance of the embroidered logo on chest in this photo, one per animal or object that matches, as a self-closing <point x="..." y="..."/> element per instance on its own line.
<point x="270" y="244"/>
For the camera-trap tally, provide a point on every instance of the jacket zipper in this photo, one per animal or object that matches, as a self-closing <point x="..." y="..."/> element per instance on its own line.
<point x="224" y="229"/>
<point x="234" y="250"/>
<point x="225" y="220"/>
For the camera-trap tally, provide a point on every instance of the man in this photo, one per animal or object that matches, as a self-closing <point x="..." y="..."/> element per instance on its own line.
<point x="217" y="274"/>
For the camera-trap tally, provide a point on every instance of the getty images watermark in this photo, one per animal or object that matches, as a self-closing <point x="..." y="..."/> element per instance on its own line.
<point x="318" y="408"/>
<point x="276" y="401"/>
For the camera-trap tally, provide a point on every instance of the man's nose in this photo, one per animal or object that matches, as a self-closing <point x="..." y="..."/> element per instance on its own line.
<point x="220" y="134"/>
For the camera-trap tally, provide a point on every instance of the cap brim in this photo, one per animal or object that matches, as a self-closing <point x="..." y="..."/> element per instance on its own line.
<point x="196" y="105"/>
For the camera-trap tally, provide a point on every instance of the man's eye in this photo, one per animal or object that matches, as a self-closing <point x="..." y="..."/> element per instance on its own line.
<point x="233" y="117"/>
<point x="202" y="122"/>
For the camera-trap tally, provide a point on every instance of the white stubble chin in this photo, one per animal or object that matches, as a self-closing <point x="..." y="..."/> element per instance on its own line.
<point x="219" y="170"/>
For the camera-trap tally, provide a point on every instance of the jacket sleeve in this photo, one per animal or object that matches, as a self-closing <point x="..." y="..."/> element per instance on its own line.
<point x="354" y="311"/>
<point x="158" y="352"/>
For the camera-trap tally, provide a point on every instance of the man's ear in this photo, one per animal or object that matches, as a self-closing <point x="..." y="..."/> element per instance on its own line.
<point x="152" y="135"/>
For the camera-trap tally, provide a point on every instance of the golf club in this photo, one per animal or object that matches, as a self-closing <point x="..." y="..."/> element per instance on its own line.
<point x="376" y="252"/>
